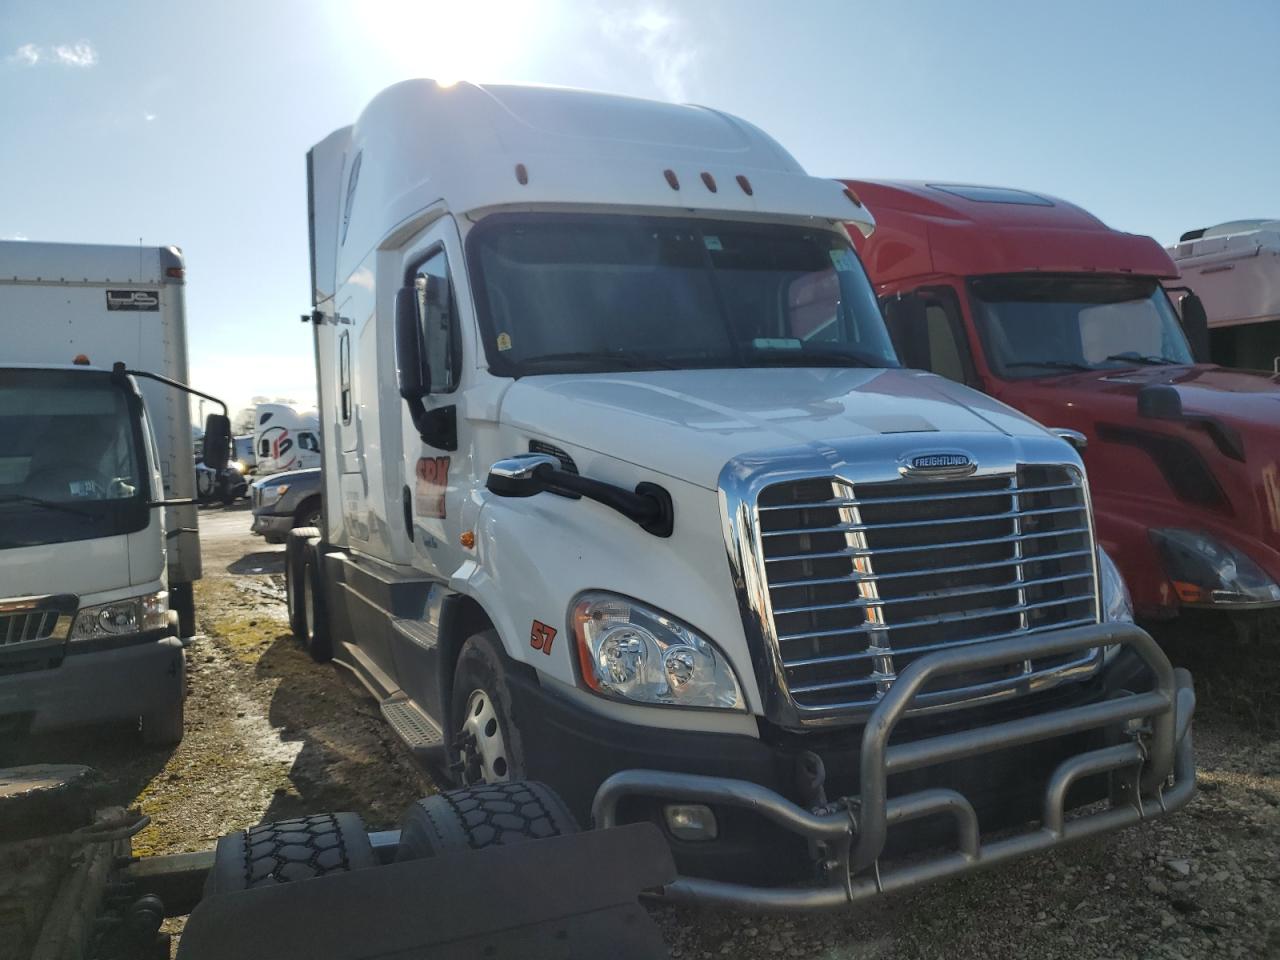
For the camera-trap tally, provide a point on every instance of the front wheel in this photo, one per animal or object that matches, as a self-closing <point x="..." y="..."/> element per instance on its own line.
<point x="165" y="727"/>
<point x="487" y="744"/>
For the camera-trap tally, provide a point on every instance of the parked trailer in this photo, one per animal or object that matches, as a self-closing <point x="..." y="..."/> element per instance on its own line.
<point x="1034" y="301"/>
<point x="1234" y="268"/>
<point x="624" y="489"/>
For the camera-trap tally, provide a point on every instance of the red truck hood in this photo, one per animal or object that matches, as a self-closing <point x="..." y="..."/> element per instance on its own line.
<point x="1245" y="399"/>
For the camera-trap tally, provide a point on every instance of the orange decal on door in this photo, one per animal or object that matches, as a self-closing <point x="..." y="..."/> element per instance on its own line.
<point x="432" y="475"/>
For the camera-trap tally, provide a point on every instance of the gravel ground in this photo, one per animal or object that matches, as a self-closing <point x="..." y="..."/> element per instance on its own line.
<point x="272" y="735"/>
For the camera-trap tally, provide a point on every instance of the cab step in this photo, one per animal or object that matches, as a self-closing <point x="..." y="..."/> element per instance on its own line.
<point x="415" y="728"/>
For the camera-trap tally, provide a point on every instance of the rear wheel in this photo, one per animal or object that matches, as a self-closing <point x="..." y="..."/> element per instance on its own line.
<point x="487" y="746"/>
<point x="182" y="599"/>
<point x="315" y="632"/>
<point x="296" y="546"/>
<point x="489" y="815"/>
<point x="165" y="727"/>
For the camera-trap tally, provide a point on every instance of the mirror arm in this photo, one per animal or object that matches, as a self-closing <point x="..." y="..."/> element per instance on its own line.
<point x="119" y="371"/>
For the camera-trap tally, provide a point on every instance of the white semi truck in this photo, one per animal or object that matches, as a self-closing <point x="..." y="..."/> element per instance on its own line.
<point x="284" y="439"/>
<point x="98" y="539"/>
<point x="624" y="489"/>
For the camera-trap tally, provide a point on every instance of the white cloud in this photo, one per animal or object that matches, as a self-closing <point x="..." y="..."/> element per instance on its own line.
<point x="28" y="55"/>
<point x="15" y="236"/>
<point x="78" y="54"/>
<point x="148" y="117"/>
<point x="240" y="376"/>
<point x="662" y="41"/>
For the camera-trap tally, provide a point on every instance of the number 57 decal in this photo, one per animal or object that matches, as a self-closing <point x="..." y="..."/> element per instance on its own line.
<point x="541" y="637"/>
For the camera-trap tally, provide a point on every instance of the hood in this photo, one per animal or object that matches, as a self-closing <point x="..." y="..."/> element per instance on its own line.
<point x="690" y="423"/>
<point x="1244" y="398"/>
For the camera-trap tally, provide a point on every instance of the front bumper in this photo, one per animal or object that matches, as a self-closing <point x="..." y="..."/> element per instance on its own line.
<point x="271" y="525"/>
<point x="1148" y="765"/>
<point x="97" y="685"/>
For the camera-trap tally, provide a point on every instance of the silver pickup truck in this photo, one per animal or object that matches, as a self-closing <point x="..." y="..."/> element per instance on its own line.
<point x="283" y="501"/>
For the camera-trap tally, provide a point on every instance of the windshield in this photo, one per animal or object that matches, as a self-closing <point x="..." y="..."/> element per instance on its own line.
<point x="70" y="462"/>
<point x="1038" y="326"/>
<point x="561" y="294"/>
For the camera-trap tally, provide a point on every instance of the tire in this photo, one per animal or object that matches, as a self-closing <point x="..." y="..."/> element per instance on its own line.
<point x="182" y="599"/>
<point x="294" y="552"/>
<point x="474" y="818"/>
<point x="290" y="850"/>
<point x="308" y="515"/>
<point x="165" y="727"/>
<point x="487" y="747"/>
<point x="315" y="621"/>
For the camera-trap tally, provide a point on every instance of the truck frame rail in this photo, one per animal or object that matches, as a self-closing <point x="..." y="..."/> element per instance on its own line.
<point x="1152" y="773"/>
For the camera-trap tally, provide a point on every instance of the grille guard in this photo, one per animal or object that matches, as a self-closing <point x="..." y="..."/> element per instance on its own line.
<point x="850" y="840"/>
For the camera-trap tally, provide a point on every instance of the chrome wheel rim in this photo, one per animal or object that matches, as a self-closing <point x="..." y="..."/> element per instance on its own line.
<point x="483" y="730"/>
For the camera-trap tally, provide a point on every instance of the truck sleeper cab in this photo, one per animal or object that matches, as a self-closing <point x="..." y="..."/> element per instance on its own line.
<point x="625" y="489"/>
<point x="1034" y="301"/>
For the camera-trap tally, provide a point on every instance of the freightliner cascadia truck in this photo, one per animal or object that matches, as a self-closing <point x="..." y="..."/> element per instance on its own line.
<point x="1036" y="302"/>
<point x="625" y="489"/>
<point x="98" y="539"/>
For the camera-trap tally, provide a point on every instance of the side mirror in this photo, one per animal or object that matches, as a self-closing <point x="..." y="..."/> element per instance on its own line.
<point x="904" y="315"/>
<point x="1195" y="324"/>
<point x="520" y="476"/>
<point x="1073" y="437"/>
<point x="412" y="377"/>
<point x="216" y="452"/>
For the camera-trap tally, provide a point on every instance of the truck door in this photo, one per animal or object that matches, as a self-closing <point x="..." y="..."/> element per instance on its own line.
<point x="434" y="473"/>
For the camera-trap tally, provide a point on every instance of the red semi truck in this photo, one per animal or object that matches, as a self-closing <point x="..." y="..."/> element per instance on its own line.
<point x="1039" y="304"/>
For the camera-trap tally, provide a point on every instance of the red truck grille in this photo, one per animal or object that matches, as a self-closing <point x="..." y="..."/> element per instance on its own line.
<point x="863" y="579"/>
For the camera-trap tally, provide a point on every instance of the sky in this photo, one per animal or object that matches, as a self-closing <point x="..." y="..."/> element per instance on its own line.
<point x="188" y="123"/>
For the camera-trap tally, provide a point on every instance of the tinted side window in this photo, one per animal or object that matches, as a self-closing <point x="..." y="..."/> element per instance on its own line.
<point x="935" y="342"/>
<point x="438" y="315"/>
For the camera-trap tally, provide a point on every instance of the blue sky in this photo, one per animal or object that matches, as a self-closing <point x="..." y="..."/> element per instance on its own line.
<point x="188" y="123"/>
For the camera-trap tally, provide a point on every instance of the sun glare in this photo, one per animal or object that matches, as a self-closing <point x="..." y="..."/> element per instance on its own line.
<point x="454" y="40"/>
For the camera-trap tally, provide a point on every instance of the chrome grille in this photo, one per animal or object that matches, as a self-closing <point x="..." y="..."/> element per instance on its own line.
<point x="864" y="578"/>
<point x="27" y="626"/>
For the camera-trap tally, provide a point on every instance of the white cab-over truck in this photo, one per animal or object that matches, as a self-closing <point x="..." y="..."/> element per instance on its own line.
<point x="625" y="489"/>
<point x="98" y="540"/>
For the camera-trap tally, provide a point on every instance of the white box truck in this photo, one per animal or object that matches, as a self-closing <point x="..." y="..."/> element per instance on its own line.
<point x="98" y="538"/>
<point x="624" y="489"/>
<point x="1234" y="268"/>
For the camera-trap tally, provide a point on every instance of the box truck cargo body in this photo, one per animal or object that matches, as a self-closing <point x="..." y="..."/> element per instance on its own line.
<point x="1234" y="268"/>
<point x="624" y="488"/>
<point x="98" y="539"/>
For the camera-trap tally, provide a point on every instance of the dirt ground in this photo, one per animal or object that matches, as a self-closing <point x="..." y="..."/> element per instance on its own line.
<point x="271" y="735"/>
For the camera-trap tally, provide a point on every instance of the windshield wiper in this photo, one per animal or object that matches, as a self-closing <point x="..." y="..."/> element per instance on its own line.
<point x="812" y="358"/>
<point x="47" y="504"/>
<point x="1050" y="364"/>
<point x="1130" y="357"/>
<point x="629" y="361"/>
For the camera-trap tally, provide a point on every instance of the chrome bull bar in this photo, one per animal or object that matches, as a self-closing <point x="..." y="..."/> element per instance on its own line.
<point x="1157" y="762"/>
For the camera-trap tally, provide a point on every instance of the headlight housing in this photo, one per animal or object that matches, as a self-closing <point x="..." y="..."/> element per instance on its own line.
<point x="1117" y="604"/>
<point x="632" y="652"/>
<point x="120" y="618"/>
<point x="273" y="491"/>
<point x="1206" y="571"/>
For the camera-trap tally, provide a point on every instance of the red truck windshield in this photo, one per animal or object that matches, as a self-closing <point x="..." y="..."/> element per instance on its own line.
<point x="1036" y="326"/>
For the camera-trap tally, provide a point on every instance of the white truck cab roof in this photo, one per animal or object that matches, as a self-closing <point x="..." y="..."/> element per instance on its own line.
<point x="471" y="147"/>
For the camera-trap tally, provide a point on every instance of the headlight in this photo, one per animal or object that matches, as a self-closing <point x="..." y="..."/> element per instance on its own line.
<point x="632" y="652"/>
<point x="122" y="617"/>
<point x="1207" y="571"/>
<point x="237" y="466"/>
<point x="1117" y="605"/>
<point x="274" y="491"/>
